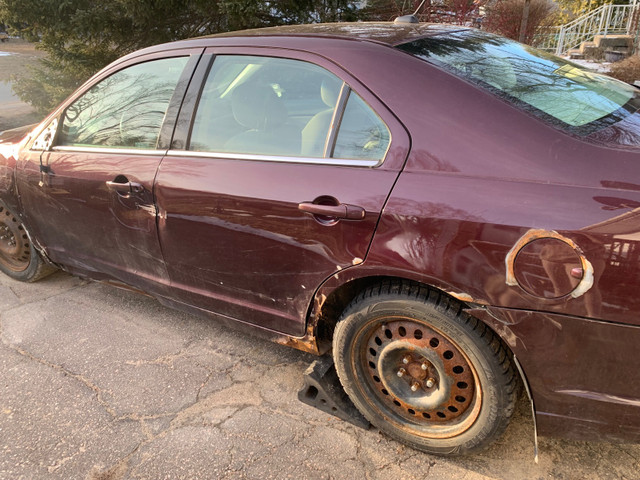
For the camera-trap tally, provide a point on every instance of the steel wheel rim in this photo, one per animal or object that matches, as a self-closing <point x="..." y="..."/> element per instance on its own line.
<point x="386" y="346"/>
<point x="15" y="248"/>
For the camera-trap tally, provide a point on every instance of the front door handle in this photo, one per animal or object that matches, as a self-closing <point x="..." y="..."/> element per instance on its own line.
<point x="125" y="188"/>
<point x="348" y="212"/>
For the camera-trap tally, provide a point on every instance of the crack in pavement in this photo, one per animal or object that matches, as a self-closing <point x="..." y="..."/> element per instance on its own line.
<point x="205" y="382"/>
<point x="80" y="378"/>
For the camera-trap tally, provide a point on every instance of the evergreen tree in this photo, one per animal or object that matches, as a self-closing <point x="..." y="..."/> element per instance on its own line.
<point x="82" y="36"/>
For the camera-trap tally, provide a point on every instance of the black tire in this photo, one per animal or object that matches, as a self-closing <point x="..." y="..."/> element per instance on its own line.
<point x="18" y="257"/>
<point x="395" y="339"/>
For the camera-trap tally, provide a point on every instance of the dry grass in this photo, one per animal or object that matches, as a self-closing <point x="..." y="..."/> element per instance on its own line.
<point x="627" y="70"/>
<point x="24" y="54"/>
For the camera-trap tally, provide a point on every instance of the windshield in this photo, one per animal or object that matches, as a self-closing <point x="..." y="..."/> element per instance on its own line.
<point x="557" y="90"/>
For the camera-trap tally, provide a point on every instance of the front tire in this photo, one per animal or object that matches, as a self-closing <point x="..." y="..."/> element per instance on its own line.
<point x="423" y="371"/>
<point x="18" y="257"/>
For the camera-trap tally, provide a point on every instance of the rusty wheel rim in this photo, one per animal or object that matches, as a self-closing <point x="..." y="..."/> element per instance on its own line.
<point x="417" y="378"/>
<point x="15" y="249"/>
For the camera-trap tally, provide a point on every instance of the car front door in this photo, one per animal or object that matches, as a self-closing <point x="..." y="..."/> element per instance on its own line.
<point x="277" y="185"/>
<point x="88" y="199"/>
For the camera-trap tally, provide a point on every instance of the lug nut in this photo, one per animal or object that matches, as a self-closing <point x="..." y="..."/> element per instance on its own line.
<point x="414" y="387"/>
<point x="406" y="359"/>
<point x="401" y="372"/>
<point x="424" y="366"/>
<point x="430" y="382"/>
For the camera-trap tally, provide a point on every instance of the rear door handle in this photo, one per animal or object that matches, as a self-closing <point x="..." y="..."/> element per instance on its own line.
<point x="125" y="188"/>
<point x="348" y="212"/>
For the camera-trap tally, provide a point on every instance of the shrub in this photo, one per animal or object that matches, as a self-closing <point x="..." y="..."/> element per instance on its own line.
<point x="627" y="70"/>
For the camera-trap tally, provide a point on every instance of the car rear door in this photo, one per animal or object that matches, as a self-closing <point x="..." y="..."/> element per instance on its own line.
<point x="262" y="197"/>
<point x="88" y="199"/>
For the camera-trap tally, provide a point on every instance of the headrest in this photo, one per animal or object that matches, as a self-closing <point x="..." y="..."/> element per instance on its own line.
<point x="257" y="107"/>
<point x="329" y="90"/>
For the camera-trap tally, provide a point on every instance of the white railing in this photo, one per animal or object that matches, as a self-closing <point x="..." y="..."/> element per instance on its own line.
<point x="604" y="20"/>
<point x="546" y="38"/>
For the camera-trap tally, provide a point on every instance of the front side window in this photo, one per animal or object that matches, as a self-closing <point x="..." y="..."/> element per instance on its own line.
<point x="282" y="107"/>
<point x="125" y="110"/>
<point x="554" y="89"/>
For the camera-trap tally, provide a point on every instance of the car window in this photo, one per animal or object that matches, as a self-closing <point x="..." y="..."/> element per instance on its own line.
<point x="281" y="107"/>
<point x="264" y="105"/>
<point x="560" y="92"/>
<point x="125" y="110"/>
<point x="362" y="133"/>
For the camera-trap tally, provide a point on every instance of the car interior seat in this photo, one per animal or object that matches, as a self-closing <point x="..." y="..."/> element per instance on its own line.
<point x="263" y="114"/>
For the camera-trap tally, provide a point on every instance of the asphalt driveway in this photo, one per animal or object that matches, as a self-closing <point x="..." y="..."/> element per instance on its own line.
<point x="101" y="383"/>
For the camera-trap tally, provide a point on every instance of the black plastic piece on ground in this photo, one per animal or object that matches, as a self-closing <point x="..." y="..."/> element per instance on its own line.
<point x="322" y="389"/>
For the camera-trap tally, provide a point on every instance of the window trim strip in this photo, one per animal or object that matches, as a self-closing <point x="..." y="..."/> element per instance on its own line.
<point x="338" y="162"/>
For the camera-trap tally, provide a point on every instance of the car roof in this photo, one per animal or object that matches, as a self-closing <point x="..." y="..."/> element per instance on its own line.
<point x="389" y="33"/>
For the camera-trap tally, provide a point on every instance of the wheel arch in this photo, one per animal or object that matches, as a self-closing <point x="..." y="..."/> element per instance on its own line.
<point x="335" y="296"/>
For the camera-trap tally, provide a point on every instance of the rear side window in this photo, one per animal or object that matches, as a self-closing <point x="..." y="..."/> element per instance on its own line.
<point x="362" y="133"/>
<point x="551" y="88"/>
<point x="126" y="109"/>
<point x="281" y="107"/>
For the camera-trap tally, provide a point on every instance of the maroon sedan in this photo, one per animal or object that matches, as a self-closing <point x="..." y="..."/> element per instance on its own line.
<point x="452" y="213"/>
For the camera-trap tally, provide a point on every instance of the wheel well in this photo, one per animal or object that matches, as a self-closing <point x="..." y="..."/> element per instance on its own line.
<point x="331" y="310"/>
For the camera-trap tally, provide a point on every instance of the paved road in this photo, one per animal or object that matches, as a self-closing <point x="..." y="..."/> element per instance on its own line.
<point x="103" y="384"/>
<point x="6" y="93"/>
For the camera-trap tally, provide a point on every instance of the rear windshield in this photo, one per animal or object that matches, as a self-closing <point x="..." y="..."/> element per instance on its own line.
<point x="554" y="89"/>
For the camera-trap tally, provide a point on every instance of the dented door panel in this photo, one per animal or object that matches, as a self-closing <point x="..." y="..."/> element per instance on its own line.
<point x="88" y="226"/>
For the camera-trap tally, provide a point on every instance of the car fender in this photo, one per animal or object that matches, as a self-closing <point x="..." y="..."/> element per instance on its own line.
<point x="11" y="142"/>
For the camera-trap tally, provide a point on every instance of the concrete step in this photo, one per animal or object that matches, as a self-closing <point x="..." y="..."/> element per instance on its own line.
<point x="575" y="54"/>
<point x="611" y="41"/>
<point x="586" y="46"/>
<point x="591" y="50"/>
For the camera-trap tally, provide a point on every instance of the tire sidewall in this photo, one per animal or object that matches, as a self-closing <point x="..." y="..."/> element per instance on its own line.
<point x="363" y="313"/>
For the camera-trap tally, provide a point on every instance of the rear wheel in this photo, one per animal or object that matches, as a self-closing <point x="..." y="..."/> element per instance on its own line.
<point x="423" y="371"/>
<point x="18" y="258"/>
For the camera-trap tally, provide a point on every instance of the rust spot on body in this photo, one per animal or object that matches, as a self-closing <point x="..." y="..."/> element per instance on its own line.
<point x="465" y="297"/>
<point x="535" y="234"/>
<point x="307" y="343"/>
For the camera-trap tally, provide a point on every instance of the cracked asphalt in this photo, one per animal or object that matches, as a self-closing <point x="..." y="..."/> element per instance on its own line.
<point x="104" y="384"/>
